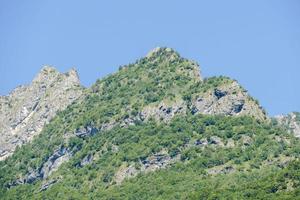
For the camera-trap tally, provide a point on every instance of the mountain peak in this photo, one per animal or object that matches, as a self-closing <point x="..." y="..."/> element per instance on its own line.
<point x="24" y="111"/>
<point x="72" y="74"/>
<point x="46" y="73"/>
<point x="162" y="51"/>
<point x="49" y="74"/>
<point x="47" y="69"/>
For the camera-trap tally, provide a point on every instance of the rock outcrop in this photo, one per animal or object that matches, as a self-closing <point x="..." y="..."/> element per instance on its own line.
<point x="25" y="111"/>
<point x="86" y="131"/>
<point x="228" y="99"/>
<point x="48" y="184"/>
<point x="163" y="111"/>
<point x="54" y="161"/>
<point x="291" y="122"/>
<point x="152" y="163"/>
<point x="52" y="164"/>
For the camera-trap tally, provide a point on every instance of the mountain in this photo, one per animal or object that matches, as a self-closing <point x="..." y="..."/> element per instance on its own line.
<point x="157" y="129"/>
<point x="25" y="111"/>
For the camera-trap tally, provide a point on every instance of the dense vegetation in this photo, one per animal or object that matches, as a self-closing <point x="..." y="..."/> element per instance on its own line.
<point x="211" y="157"/>
<point x="259" y="171"/>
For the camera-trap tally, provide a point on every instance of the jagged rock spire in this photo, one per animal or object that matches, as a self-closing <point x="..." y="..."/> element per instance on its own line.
<point x="25" y="111"/>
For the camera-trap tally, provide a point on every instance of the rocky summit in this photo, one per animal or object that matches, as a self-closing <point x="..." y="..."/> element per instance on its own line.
<point x="25" y="111"/>
<point x="155" y="129"/>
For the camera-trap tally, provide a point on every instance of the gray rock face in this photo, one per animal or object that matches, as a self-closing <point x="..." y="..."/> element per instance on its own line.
<point x="229" y="99"/>
<point x="291" y="122"/>
<point x="157" y="161"/>
<point x="25" y="111"/>
<point x="47" y="184"/>
<point x="51" y="165"/>
<point x="152" y="163"/>
<point x="163" y="111"/>
<point x="86" y="131"/>
<point x="58" y="157"/>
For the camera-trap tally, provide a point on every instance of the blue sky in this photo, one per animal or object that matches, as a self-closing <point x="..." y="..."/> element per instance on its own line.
<point x="256" y="42"/>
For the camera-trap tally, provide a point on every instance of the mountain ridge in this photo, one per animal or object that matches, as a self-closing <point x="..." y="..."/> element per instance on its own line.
<point x="155" y="117"/>
<point x="161" y="61"/>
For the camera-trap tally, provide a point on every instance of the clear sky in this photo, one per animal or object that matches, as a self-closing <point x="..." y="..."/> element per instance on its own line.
<point x="256" y="42"/>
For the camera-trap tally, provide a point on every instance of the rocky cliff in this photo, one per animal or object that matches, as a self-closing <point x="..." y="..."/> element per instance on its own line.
<point x="291" y="122"/>
<point x="25" y="111"/>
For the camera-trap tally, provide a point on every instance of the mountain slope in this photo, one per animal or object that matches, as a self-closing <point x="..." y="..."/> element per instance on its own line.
<point x="24" y="112"/>
<point x="189" y="154"/>
<point x="155" y="118"/>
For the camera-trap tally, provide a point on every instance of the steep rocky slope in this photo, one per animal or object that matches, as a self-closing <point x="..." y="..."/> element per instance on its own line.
<point x="291" y="122"/>
<point x="168" y="84"/>
<point x="25" y="111"/>
<point x="171" y="85"/>
<point x="159" y="123"/>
